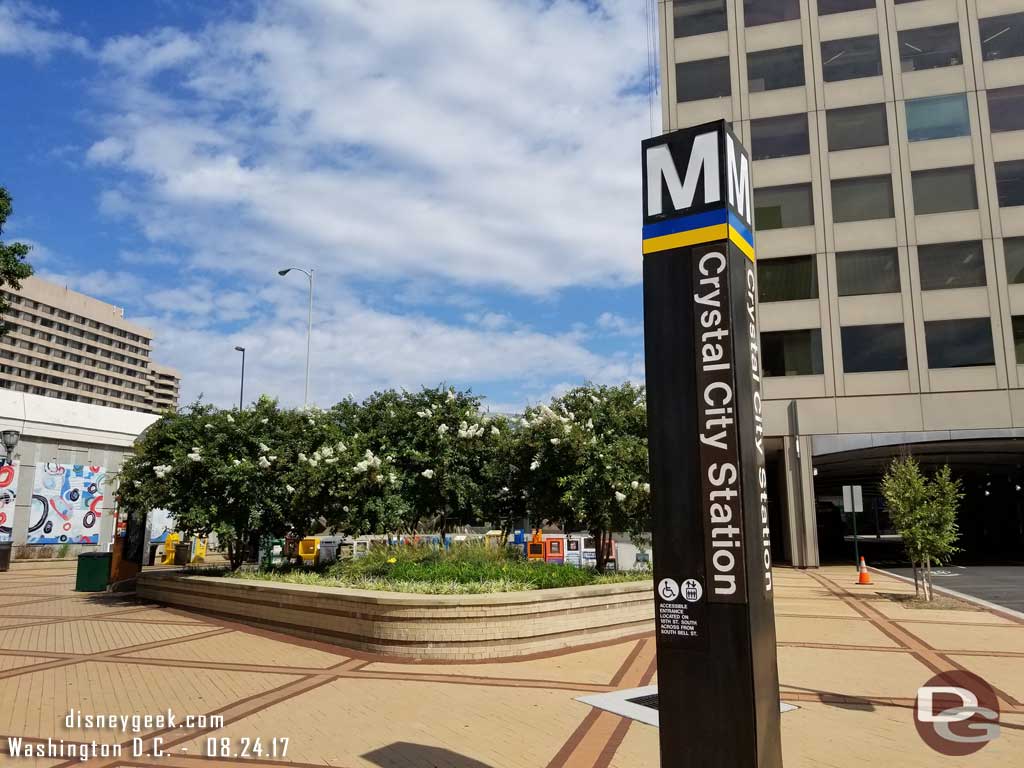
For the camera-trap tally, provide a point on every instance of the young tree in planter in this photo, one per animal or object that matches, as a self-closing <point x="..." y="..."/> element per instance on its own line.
<point x="939" y="531"/>
<point x="924" y="513"/>
<point x="589" y="463"/>
<point x="906" y="495"/>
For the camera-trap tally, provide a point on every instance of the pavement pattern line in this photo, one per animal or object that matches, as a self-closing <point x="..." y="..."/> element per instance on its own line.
<point x="592" y="741"/>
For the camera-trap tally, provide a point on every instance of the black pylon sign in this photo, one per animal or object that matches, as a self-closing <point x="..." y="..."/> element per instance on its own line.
<point x="718" y="686"/>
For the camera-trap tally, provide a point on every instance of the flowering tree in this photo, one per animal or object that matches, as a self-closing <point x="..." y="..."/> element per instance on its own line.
<point x="589" y="462"/>
<point x="215" y="471"/>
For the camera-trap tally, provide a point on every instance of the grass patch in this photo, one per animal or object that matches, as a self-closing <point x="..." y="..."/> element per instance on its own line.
<point x="462" y="570"/>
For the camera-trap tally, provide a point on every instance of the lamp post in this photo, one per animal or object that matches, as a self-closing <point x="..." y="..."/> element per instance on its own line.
<point x="309" y="323"/>
<point x="10" y="438"/>
<point x="241" y="387"/>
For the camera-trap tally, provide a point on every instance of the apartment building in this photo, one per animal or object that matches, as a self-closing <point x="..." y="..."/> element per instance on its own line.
<point x="887" y="139"/>
<point x="64" y="344"/>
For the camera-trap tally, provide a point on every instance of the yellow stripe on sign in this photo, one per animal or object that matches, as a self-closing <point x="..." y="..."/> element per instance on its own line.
<point x="743" y="245"/>
<point x="682" y="239"/>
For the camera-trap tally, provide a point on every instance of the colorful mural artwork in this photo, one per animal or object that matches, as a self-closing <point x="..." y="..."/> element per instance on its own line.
<point x="66" y="502"/>
<point x="8" y="491"/>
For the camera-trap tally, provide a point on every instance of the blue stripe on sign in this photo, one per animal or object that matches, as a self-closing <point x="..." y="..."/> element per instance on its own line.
<point x="685" y="223"/>
<point x="736" y="223"/>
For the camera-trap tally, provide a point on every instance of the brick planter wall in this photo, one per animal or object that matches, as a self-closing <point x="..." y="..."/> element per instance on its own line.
<point x="426" y="627"/>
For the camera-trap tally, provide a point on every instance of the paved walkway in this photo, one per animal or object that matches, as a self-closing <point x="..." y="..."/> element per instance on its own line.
<point x="851" y="659"/>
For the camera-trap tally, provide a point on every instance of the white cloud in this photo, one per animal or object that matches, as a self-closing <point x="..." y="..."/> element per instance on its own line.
<point x="28" y="30"/>
<point x="618" y="325"/>
<point x="482" y="143"/>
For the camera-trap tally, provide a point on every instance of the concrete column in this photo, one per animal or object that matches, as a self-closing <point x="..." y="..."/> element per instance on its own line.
<point x="801" y="519"/>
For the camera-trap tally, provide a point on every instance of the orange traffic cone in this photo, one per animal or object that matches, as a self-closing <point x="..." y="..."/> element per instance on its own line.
<point x="863" y="577"/>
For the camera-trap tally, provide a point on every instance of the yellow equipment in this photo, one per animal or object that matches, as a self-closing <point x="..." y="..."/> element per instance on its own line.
<point x="309" y="550"/>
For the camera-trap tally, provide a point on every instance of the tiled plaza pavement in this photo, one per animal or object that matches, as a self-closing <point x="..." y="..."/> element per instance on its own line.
<point x="848" y="657"/>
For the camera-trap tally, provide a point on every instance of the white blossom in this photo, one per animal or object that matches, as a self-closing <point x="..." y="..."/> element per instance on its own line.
<point x="264" y="447"/>
<point x="620" y="496"/>
<point x="302" y="458"/>
<point x="209" y="426"/>
<point x="160" y="470"/>
<point x="442" y="429"/>
<point x="326" y="451"/>
<point x="590" y="423"/>
<point x="264" y="421"/>
<point x="392" y="478"/>
<point x="289" y="488"/>
<point x="369" y="462"/>
<point x="428" y="473"/>
<point x="646" y="487"/>
<point x="196" y="456"/>
<point x="424" y="414"/>
<point x="340" y="446"/>
<point x="534" y="464"/>
<point x="634" y="485"/>
<point x="333" y="460"/>
<point x="345" y="508"/>
<point x="236" y="462"/>
<point x="595" y="398"/>
<point x="555" y="441"/>
<point x="231" y="419"/>
<point x="451" y="395"/>
<point x="272" y="458"/>
<point x="264" y="464"/>
<point x="495" y="431"/>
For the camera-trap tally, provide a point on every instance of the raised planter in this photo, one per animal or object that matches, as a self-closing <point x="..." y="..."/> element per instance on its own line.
<point x="427" y="627"/>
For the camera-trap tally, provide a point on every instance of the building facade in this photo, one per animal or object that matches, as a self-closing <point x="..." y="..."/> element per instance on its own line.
<point x="887" y="139"/>
<point x="64" y="344"/>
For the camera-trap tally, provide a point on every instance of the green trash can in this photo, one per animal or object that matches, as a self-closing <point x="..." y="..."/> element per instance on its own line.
<point x="5" y="555"/>
<point x="93" y="572"/>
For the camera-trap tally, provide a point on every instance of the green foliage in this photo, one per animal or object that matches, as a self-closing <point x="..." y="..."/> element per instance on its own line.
<point x="13" y="267"/>
<point x="923" y="512"/>
<point x="463" y="569"/>
<point x="397" y="462"/>
<point x="589" y="469"/>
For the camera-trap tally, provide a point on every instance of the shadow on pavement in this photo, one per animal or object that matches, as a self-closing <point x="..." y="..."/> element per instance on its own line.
<point x="838" y="700"/>
<point x="402" y="754"/>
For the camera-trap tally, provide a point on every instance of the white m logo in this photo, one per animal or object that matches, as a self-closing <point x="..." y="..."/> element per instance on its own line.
<point x="703" y="156"/>
<point x="739" y="180"/>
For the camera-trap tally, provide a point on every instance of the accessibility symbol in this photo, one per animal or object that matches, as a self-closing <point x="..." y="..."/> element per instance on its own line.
<point x="692" y="590"/>
<point x="668" y="589"/>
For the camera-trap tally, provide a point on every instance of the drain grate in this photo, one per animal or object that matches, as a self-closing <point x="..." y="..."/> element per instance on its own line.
<point x="651" y="701"/>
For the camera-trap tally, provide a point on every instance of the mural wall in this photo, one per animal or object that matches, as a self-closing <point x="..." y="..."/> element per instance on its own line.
<point x="8" y="489"/>
<point x="66" y="502"/>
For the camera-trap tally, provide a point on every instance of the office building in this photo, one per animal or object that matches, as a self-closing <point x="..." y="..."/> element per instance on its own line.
<point x="887" y="140"/>
<point x="64" y="344"/>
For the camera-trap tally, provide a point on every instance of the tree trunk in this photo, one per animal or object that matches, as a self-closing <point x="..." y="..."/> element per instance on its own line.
<point x="599" y="543"/>
<point x="917" y="574"/>
<point x="928" y="578"/>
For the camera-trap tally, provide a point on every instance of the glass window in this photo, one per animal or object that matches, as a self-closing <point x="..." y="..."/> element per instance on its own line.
<point x="930" y="47"/>
<point x="862" y="198"/>
<point x="938" y="117"/>
<point x="825" y="7"/>
<point x="778" y="207"/>
<point x="857" y="127"/>
<point x="860" y="273"/>
<point x="704" y="79"/>
<point x="1002" y="37"/>
<point x="1018" y="337"/>
<point x="951" y="265"/>
<point x="959" y="343"/>
<point x="1006" y="109"/>
<point x="758" y="12"/>
<point x="850" y="58"/>
<point x="944" y="189"/>
<point x="774" y="69"/>
<point x="1010" y="183"/>
<point x="784" y="136"/>
<point x="698" y="17"/>
<point x="1013" y="250"/>
<point x="792" y="353"/>
<point x="790" y="279"/>
<point x="868" y="348"/>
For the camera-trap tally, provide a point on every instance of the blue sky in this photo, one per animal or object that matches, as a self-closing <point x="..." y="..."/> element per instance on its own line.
<point x="463" y="177"/>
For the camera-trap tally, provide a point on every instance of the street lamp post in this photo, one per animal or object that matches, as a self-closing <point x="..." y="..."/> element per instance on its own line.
<point x="241" y="386"/>
<point x="10" y="439"/>
<point x="309" y="323"/>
